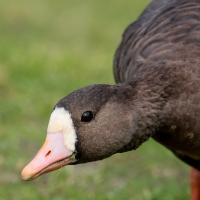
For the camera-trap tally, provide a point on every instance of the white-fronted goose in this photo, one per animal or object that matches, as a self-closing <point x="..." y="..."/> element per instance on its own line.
<point x="157" y="94"/>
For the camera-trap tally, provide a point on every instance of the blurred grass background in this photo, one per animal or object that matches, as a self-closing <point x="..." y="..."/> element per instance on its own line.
<point x="47" y="49"/>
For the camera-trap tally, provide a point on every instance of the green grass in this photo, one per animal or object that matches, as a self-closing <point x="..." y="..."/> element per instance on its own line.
<point x="47" y="49"/>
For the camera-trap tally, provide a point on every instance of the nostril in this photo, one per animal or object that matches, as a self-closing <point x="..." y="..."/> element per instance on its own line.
<point x="48" y="153"/>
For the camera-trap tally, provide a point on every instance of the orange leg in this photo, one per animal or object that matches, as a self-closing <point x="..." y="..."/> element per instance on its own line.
<point x="195" y="184"/>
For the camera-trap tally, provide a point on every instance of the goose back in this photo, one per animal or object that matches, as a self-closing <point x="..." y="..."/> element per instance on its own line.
<point x="166" y="31"/>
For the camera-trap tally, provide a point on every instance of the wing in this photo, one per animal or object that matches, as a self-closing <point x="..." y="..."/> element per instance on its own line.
<point x="129" y="52"/>
<point x="132" y="31"/>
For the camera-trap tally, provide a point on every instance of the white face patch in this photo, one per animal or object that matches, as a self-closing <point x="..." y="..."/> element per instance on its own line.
<point x="61" y="121"/>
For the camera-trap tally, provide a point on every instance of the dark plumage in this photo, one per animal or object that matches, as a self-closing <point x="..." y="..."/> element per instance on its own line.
<point x="157" y="71"/>
<point x="161" y="52"/>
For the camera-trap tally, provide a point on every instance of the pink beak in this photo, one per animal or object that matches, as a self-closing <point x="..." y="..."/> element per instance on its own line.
<point x="52" y="155"/>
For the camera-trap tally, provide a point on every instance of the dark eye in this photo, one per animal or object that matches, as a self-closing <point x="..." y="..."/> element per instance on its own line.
<point x="87" y="116"/>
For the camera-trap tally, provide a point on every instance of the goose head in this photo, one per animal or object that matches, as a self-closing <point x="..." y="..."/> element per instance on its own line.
<point x="89" y="124"/>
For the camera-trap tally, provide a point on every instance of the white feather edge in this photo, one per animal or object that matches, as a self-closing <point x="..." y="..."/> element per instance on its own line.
<point x="61" y="121"/>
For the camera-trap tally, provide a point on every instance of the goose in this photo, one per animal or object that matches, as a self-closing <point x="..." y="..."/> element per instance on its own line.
<point x="156" y="95"/>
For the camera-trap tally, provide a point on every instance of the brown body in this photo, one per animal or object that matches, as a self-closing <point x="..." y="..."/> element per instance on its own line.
<point x="162" y="50"/>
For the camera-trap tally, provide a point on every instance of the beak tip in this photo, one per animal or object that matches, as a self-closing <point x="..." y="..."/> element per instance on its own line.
<point x="25" y="174"/>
